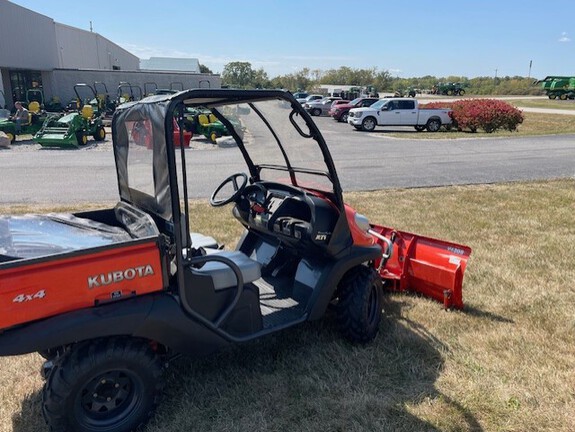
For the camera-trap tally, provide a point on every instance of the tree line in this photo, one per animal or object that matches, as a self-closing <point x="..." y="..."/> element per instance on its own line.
<point x="243" y="75"/>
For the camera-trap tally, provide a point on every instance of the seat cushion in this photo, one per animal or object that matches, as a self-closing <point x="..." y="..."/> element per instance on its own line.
<point x="222" y="274"/>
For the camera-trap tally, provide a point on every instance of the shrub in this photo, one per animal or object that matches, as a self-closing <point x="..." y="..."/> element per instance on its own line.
<point x="486" y="114"/>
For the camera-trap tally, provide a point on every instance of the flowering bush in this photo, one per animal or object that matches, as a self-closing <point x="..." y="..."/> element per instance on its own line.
<point x="486" y="114"/>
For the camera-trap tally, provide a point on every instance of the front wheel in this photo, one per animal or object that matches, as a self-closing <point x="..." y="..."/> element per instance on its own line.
<point x="109" y="385"/>
<point x="100" y="134"/>
<point x="214" y="137"/>
<point x="360" y="304"/>
<point x="433" y="125"/>
<point x="368" y="124"/>
<point x="11" y="137"/>
<point x="552" y="96"/>
<point x="81" y="139"/>
<point x="343" y="117"/>
<point x="316" y="112"/>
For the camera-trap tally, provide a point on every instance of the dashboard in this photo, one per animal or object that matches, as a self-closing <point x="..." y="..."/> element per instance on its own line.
<point x="292" y="215"/>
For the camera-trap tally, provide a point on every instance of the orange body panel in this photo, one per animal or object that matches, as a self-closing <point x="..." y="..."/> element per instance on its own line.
<point x="359" y="236"/>
<point x="35" y="289"/>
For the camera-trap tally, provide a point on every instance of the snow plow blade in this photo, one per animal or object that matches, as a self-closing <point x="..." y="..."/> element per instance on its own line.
<point x="430" y="267"/>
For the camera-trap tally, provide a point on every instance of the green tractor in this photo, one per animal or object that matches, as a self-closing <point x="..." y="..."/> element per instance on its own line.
<point x="37" y="95"/>
<point x="73" y="129"/>
<point x="449" y="89"/>
<point x="128" y="93"/>
<point x="105" y="103"/>
<point x="204" y="122"/>
<point x="562" y="87"/>
<point x="36" y="118"/>
<point x="409" y="92"/>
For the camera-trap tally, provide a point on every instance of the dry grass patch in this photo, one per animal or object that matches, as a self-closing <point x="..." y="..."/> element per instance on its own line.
<point x="503" y="364"/>
<point x="544" y="103"/>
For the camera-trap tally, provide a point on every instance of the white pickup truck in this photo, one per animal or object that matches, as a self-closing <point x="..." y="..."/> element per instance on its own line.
<point x="398" y="112"/>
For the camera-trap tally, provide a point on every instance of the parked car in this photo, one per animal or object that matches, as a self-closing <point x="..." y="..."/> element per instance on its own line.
<point x="339" y="112"/>
<point x="320" y="106"/>
<point x="310" y="98"/>
<point x="300" y="96"/>
<point x="398" y="112"/>
<point x="338" y="102"/>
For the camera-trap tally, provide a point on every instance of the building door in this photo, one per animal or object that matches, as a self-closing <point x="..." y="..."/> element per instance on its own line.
<point x="21" y="81"/>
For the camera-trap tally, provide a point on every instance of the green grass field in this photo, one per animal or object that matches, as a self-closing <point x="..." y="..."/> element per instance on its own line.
<point x="505" y="363"/>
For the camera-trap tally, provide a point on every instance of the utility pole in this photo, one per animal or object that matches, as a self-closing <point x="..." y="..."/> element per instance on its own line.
<point x="530" y="64"/>
<point x="495" y="73"/>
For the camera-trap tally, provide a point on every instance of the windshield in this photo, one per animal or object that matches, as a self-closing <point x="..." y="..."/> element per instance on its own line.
<point x="355" y="101"/>
<point x="222" y="132"/>
<point x="275" y="145"/>
<point x="379" y="104"/>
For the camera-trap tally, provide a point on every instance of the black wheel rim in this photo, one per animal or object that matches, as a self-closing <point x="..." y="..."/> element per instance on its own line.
<point x="109" y="399"/>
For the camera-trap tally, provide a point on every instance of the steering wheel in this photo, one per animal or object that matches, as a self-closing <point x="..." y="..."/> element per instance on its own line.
<point x="237" y="188"/>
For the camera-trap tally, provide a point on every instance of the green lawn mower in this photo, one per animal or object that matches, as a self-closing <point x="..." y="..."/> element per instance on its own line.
<point x="204" y="122"/>
<point x="73" y="129"/>
<point x="36" y="118"/>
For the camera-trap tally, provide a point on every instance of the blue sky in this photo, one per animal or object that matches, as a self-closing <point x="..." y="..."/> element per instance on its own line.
<point x="407" y="38"/>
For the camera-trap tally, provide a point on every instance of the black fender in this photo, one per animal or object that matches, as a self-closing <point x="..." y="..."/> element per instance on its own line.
<point x="156" y="317"/>
<point x="333" y="273"/>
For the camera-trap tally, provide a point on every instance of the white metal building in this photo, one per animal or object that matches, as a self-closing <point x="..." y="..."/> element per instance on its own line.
<point x="36" y="51"/>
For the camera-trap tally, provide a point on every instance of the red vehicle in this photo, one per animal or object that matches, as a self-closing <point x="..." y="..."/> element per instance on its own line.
<point x="110" y="296"/>
<point x="340" y="112"/>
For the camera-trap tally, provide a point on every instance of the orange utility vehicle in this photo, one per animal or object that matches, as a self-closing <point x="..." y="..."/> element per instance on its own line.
<point x="108" y="297"/>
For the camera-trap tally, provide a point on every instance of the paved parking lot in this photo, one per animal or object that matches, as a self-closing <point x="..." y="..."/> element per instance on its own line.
<point x="365" y="161"/>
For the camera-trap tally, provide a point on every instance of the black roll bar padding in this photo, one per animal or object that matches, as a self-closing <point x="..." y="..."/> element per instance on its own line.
<point x="240" y="280"/>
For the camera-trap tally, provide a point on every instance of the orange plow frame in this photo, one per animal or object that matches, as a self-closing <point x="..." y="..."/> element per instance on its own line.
<point x="433" y="268"/>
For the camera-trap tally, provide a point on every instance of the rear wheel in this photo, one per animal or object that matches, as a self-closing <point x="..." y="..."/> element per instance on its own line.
<point x="368" y="124"/>
<point x="563" y="96"/>
<point x="461" y="92"/>
<point x="109" y="385"/>
<point x="360" y="304"/>
<point x="552" y="96"/>
<point x="433" y="125"/>
<point x="214" y="136"/>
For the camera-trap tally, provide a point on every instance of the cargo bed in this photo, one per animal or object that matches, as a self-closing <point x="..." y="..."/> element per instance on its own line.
<point x="51" y="264"/>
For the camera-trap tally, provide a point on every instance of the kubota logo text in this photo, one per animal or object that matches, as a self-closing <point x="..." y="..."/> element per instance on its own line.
<point x="119" y="276"/>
